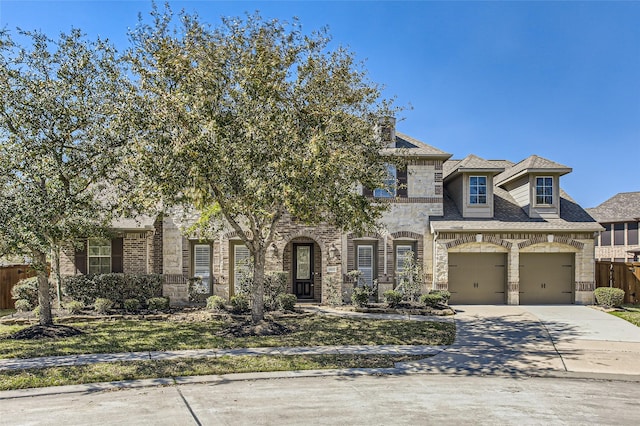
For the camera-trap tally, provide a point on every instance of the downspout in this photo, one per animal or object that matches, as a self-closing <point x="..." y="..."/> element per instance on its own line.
<point x="434" y="260"/>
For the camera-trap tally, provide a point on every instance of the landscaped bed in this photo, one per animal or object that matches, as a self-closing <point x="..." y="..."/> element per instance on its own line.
<point x="629" y="313"/>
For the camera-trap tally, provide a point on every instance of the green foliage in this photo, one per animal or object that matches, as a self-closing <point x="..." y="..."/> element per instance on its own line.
<point x="252" y="119"/>
<point x="215" y="303"/>
<point x="115" y="287"/>
<point x="275" y="285"/>
<point x="23" y="305"/>
<point x="36" y="311"/>
<point x="392" y="298"/>
<point x="433" y="300"/>
<point x="74" y="307"/>
<point x="609" y="296"/>
<point x="132" y="305"/>
<point x="198" y="292"/>
<point x="411" y="278"/>
<point x="287" y="301"/>
<point x="26" y="289"/>
<point x="360" y="296"/>
<point x="158" y="303"/>
<point x="102" y="305"/>
<point x="445" y="294"/>
<point x="65" y="124"/>
<point x="239" y="304"/>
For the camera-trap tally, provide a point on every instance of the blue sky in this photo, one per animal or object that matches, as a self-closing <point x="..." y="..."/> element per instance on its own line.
<point x="502" y="80"/>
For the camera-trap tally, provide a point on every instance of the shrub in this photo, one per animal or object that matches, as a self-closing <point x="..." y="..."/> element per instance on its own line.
<point x="215" y="303"/>
<point x="392" y="298"/>
<point x="239" y="304"/>
<point x="74" y="306"/>
<point x="287" y="302"/>
<point x="275" y="284"/>
<point x="609" y="296"/>
<point x="334" y="296"/>
<point x="23" y="305"/>
<point x="445" y="294"/>
<point x="36" y="311"/>
<point x="158" y="303"/>
<point x="102" y="305"/>
<point x="116" y="287"/>
<point x="27" y="289"/>
<point x="198" y="291"/>
<point x="132" y="305"/>
<point x="360" y="296"/>
<point x="432" y="299"/>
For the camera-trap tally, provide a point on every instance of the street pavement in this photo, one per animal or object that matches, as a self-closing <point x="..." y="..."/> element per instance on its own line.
<point x="572" y="353"/>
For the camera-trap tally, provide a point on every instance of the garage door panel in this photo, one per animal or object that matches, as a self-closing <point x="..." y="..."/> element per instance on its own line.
<point x="546" y="278"/>
<point x="477" y="278"/>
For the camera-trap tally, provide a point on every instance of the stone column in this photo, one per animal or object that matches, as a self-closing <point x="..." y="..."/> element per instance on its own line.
<point x="513" y="275"/>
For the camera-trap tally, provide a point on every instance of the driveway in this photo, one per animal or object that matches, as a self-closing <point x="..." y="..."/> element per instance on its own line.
<point x="552" y="339"/>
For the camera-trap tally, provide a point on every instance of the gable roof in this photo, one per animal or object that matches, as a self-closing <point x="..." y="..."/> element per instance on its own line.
<point x="531" y="164"/>
<point x="622" y="207"/>
<point x="406" y="146"/>
<point x="471" y="163"/>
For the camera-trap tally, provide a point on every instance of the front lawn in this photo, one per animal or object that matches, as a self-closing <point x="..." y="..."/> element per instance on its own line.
<point x="631" y="314"/>
<point x="4" y="312"/>
<point x="305" y="330"/>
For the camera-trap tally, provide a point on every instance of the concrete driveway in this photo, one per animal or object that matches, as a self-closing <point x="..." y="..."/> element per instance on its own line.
<point x="539" y="340"/>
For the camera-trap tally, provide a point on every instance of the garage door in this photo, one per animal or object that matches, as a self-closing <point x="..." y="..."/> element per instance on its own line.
<point x="546" y="278"/>
<point x="477" y="278"/>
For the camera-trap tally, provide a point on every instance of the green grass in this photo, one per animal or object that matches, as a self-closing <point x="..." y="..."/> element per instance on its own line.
<point x="4" y="312"/>
<point x="631" y="314"/>
<point x="108" y="372"/>
<point x="309" y="330"/>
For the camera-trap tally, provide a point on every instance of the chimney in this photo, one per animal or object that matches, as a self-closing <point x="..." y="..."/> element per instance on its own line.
<point x="388" y="131"/>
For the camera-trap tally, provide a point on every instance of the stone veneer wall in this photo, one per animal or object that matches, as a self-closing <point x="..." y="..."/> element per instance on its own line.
<point x="582" y="244"/>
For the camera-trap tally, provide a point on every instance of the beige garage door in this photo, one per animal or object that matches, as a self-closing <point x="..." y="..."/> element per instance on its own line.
<point x="546" y="278"/>
<point x="477" y="278"/>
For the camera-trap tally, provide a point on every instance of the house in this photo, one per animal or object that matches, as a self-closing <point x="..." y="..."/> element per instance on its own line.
<point x="488" y="231"/>
<point x="619" y="216"/>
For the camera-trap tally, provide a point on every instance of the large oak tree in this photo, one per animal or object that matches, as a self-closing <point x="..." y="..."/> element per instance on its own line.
<point x="253" y="118"/>
<point x="63" y="120"/>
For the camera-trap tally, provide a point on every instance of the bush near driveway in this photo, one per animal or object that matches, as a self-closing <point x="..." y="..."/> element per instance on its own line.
<point x="609" y="296"/>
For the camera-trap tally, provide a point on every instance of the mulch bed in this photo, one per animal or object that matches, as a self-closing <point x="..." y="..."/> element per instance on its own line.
<point x="43" y="331"/>
<point x="248" y="328"/>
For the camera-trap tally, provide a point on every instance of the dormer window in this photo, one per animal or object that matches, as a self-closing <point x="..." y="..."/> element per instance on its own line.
<point x="389" y="189"/>
<point x="477" y="190"/>
<point x="544" y="190"/>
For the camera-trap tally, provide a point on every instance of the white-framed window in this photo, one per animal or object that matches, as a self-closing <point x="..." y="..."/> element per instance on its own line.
<point x="202" y="264"/>
<point x="544" y="190"/>
<point x="99" y="253"/>
<point x="477" y="190"/>
<point x="365" y="262"/>
<point x="404" y="252"/>
<point x="241" y="265"/>
<point x="389" y="189"/>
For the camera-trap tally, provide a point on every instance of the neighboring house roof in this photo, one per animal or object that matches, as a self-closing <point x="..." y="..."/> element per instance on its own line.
<point x="509" y="216"/>
<point x="470" y="164"/>
<point x="529" y="165"/>
<point x="622" y="207"/>
<point x="410" y="147"/>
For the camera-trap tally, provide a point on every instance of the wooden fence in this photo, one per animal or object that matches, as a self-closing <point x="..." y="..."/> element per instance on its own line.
<point x="624" y="275"/>
<point x="9" y="276"/>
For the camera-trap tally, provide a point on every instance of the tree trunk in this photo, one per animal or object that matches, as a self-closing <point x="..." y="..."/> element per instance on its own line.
<point x="257" y="308"/>
<point x="56" y="266"/>
<point x="44" y="298"/>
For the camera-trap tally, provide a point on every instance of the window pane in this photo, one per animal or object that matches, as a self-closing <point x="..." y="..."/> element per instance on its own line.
<point x="618" y="234"/>
<point x="241" y="265"/>
<point x="390" y="185"/>
<point x="632" y="233"/>
<point x="303" y="262"/>
<point x="403" y="253"/>
<point x="365" y="263"/>
<point x="544" y="190"/>
<point x="605" y="237"/>
<point x="477" y="190"/>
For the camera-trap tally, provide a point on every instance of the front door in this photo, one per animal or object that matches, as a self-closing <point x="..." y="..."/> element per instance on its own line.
<point x="303" y="271"/>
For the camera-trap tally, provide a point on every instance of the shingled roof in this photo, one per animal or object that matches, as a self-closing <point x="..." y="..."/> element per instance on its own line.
<point x="510" y="217"/>
<point x="410" y="147"/>
<point x="530" y="164"/>
<point x="622" y="207"/>
<point x="471" y="163"/>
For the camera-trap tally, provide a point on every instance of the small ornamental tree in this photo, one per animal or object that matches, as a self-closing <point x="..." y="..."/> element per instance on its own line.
<point x="63" y="115"/>
<point x="253" y="119"/>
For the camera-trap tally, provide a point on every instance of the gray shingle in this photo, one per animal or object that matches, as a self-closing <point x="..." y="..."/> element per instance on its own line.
<point x="622" y="207"/>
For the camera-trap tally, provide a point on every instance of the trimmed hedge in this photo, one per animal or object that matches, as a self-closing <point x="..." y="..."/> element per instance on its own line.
<point x="609" y="296"/>
<point x="393" y="298"/>
<point x="27" y="289"/>
<point x="115" y="287"/>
